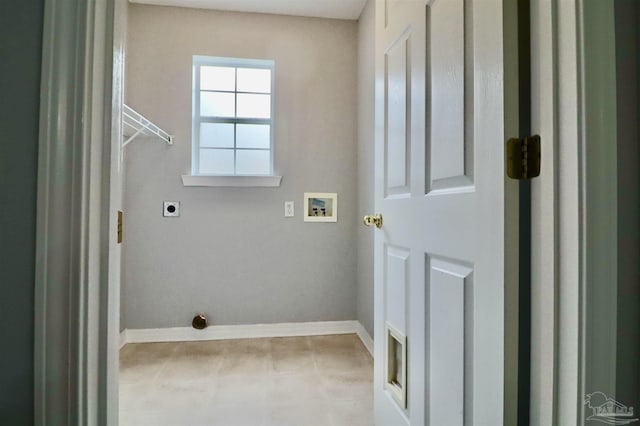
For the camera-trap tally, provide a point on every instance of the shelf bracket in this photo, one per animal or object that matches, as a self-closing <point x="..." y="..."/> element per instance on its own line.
<point x="135" y="124"/>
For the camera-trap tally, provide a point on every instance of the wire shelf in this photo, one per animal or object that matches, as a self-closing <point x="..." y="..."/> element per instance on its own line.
<point x="135" y="124"/>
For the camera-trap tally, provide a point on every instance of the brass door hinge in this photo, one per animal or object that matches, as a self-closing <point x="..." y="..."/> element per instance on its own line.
<point x="119" y="227"/>
<point x="523" y="157"/>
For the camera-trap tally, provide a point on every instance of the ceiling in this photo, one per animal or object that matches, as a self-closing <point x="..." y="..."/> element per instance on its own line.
<point x="337" y="9"/>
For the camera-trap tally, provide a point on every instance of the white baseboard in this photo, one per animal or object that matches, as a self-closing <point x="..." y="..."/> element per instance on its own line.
<point x="222" y="332"/>
<point x="364" y="336"/>
<point x="124" y="338"/>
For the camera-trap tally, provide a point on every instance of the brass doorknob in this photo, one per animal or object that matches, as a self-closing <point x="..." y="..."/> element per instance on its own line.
<point x="373" y="220"/>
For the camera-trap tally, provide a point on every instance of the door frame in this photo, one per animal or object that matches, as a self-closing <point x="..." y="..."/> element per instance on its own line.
<point x="574" y="109"/>
<point x="74" y="380"/>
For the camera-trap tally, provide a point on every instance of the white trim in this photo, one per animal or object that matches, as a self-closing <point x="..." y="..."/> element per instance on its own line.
<point x="72" y="245"/>
<point x="600" y="204"/>
<point x="232" y="181"/>
<point x="569" y="235"/>
<point x="365" y="337"/>
<point x="336" y="9"/>
<point x="124" y="338"/>
<point x="250" y="331"/>
<point x="573" y="304"/>
<point x="544" y="244"/>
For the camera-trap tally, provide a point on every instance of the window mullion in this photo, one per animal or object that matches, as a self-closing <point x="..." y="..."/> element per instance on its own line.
<point x="195" y="157"/>
<point x="271" y="126"/>
<point x="232" y="91"/>
<point x="231" y="120"/>
<point x="235" y="126"/>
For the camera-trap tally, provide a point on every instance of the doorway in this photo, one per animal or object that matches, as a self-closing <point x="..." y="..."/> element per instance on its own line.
<point x="67" y="354"/>
<point x="232" y="252"/>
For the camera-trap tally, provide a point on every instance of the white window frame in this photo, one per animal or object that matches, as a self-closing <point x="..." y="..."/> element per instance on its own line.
<point x="197" y="119"/>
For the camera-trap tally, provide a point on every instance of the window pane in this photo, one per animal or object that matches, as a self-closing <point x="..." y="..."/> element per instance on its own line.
<point x="253" y="136"/>
<point x="254" y="106"/>
<point x="250" y="162"/>
<point x="217" y="78"/>
<point x="216" y="135"/>
<point x="216" y="161"/>
<point x="254" y="80"/>
<point x="215" y="104"/>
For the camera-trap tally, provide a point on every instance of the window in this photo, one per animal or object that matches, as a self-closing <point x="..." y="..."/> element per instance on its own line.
<point x="232" y="116"/>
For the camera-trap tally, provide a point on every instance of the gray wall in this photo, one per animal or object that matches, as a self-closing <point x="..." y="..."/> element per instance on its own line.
<point x="628" y="76"/>
<point x="20" y="57"/>
<point x="232" y="254"/>
<point x="366" y="75"/>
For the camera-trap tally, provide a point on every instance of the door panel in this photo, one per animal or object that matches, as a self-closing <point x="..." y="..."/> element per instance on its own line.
<point x="449" y="303"/>
<point x="450" y="70"/>
<point x="396" y="286"/>
<point x="398" y="149"/>
<point x="442" y="274"/>
<point x="447" y="71"/>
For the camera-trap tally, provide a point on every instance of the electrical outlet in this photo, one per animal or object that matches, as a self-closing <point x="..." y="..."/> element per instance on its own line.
<point x="288" y="209"/>
<point x="171" y="209"/>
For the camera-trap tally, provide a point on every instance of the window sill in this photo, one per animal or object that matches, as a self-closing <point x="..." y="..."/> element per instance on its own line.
<point x="231" y="181"/>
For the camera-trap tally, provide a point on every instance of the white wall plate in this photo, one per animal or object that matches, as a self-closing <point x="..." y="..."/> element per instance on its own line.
<point x="320" y="207"/>
<point x="171" y="209"/>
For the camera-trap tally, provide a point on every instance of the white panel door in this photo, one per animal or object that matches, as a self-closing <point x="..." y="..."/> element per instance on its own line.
<point x="444" y="108"/>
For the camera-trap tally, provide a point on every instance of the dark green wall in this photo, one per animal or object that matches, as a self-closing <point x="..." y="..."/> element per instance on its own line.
<point x="20" y="60"/>
<point x="628" y="97"/>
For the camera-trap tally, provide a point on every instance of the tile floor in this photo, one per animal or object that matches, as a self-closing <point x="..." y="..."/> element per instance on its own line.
<point x="297" y="381"/>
